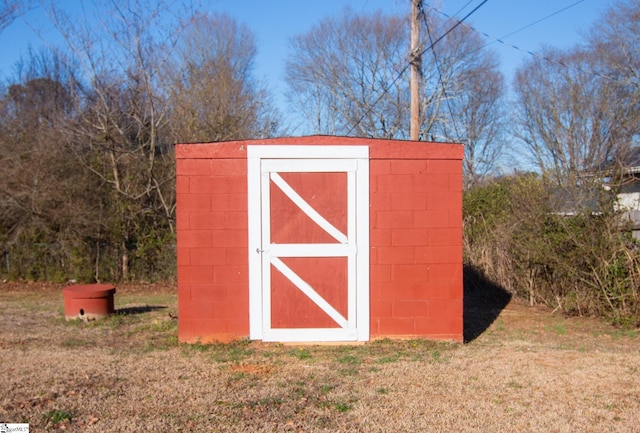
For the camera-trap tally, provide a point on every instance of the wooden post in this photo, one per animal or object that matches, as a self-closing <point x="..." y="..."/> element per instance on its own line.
<point x="416" y="61"/>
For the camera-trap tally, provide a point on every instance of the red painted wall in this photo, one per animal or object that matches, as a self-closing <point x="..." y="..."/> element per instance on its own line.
<point x="415" y="237"/>
<point x="416" y="247"/>
<point x="213" y="285"/>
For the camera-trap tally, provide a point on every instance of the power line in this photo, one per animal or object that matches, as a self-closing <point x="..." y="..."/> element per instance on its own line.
<point x="463" y="7"/>
<point x="402" y="72"/>
<point x="444" y="89"/>
<point x="454" y="27"/>
<point x="534" y="54"/>
<point x="541" y="19"/>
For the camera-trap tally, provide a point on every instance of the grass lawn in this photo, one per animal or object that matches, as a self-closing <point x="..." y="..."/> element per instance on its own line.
<point x="529" y="371"/>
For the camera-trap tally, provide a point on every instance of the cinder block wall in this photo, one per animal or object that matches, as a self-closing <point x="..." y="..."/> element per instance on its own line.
<point x="416" y="242"/>
<point x="213" y="283"/>
<point x="415" y="238"/>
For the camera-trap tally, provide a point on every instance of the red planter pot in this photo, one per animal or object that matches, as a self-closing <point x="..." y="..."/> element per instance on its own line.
<point x="88" y="301"/>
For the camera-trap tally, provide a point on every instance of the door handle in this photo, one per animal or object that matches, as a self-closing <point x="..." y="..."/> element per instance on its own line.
<point x="259" y="251"/>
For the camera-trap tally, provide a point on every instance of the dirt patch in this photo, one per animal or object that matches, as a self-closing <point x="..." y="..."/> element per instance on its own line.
<point x="529" y="370"/>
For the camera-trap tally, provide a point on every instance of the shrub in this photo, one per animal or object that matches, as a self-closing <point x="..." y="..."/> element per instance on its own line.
<point x="583" y="262"/>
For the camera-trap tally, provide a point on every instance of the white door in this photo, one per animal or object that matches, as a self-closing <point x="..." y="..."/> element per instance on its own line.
<point x="308" y="243"/>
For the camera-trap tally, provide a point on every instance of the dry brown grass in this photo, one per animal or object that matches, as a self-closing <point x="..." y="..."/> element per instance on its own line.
<point x="529" y="371"/>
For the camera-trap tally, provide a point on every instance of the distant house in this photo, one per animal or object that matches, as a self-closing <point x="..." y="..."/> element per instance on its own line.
<point x="621" y="178"/>
<point x="628" y="190"/>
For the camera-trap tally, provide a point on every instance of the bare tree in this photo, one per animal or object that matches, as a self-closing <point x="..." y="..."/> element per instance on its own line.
<point x="10" y="10"/>
<point x="212" y="91"/>
<point x="614" y="39"/>
<point x="467" y="98"/>
<point x="349" y="75"/>
<point x="614" y="42"/>
<point x="87" y="141"/>
<point x="338" y="69"/>
<point x="29" y="143"/>
<point x="570" y="120"/>
<point x="120" y="132"/>
<point x="45" y="215"/>
<point x="578" y="110"/>
<point x="481" y="118"/>
<point x="557" y="238"/>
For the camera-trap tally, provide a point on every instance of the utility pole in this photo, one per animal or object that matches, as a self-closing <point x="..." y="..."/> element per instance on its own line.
<point x="416" y="62"/>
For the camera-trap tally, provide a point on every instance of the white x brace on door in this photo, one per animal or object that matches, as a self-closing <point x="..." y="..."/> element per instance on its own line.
<point x="308" y="243"/>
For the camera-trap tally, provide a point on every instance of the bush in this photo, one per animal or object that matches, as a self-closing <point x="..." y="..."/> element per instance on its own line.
<point x="60" y="259"/>
<point x="584" y="262"/>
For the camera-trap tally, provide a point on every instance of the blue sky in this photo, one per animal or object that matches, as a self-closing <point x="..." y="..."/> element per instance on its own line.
<point x="275" y="21"/>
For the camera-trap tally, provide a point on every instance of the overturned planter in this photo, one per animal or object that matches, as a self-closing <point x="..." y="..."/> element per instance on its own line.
<point x="88" y="301"/>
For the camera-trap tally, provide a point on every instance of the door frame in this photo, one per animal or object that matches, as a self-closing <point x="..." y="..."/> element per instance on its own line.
<point x="359" y="155"/>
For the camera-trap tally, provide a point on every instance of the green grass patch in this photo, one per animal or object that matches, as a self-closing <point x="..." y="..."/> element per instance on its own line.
<point x="558" y="328"/>
<point x="350" y="359"/>
<point x="301" y="353"/>
<point x="389" y="359"/>
<point x="624" y="333"/>
<point x="348" y="371"/>
<point x="342" y="406"/>
<point x="325" y="389"/>
<point x="436" y="356"/>
<point x="58" y="416"/>
<point x="339" y="406"/>
<point x="235" y="352"/>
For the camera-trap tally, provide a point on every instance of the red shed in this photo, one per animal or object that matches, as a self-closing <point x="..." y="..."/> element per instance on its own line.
<point x="319" y="238"/>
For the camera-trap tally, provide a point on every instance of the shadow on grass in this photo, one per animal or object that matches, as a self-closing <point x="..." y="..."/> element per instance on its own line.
<point x="483" y="302"/>
<point x="127" y="311"/>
